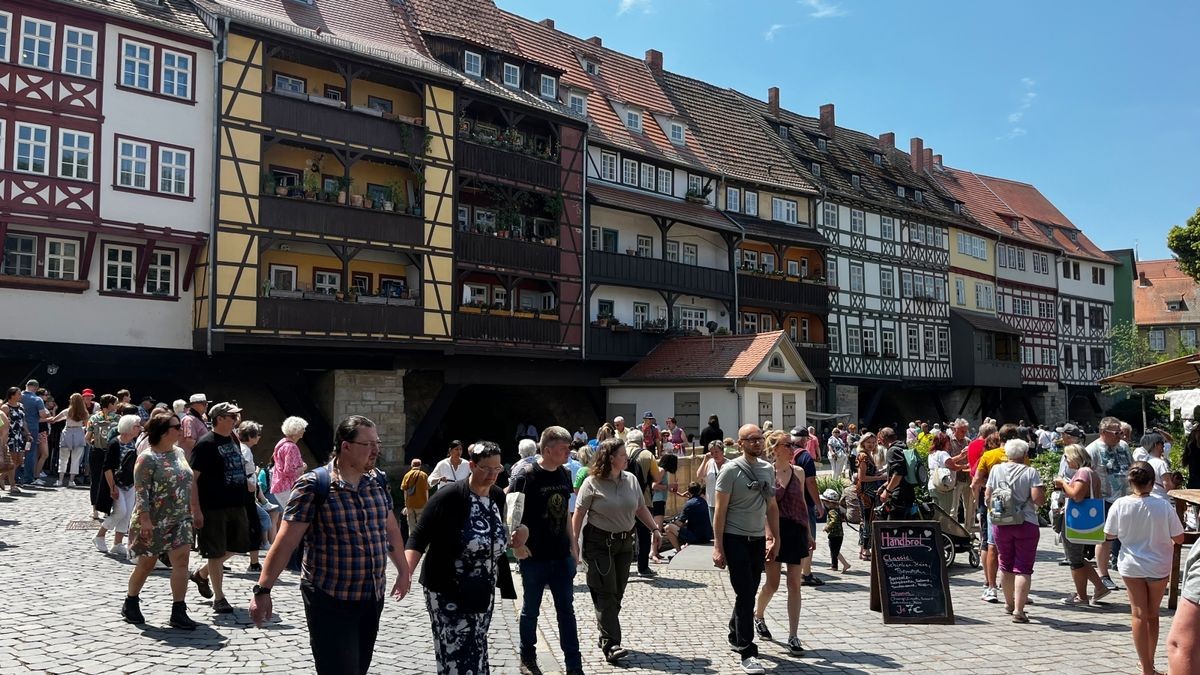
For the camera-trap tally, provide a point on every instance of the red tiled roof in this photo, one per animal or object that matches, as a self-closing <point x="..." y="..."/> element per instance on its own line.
<point x="666" y="207"/>
<point x="987" y="207"/>
<point x="1165" y="282"/>
<point x="1031" y="204"/>
<point x="705" y="358"/>
<point x="172" y="15"/>
<point x="476" y="21"/>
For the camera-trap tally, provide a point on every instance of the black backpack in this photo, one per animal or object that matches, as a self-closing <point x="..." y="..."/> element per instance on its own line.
<point x="636" y="469"/>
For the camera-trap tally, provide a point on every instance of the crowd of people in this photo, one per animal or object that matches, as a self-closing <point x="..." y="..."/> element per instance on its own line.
<point x="167" y="478"/>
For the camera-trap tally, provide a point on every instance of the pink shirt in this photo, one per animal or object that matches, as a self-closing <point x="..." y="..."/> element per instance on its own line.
<point x="289" y="465"/>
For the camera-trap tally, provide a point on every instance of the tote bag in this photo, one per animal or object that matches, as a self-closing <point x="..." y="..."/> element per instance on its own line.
<point x="1084" y="521"/>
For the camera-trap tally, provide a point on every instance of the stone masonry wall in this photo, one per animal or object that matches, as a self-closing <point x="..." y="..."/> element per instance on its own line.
<point x="378" y="394"/>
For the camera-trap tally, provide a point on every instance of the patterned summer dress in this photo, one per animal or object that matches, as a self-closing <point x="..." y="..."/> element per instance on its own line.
<point x="16" y="428"/>
<point x="162" y="486"/>
<point x="460" y="638"/>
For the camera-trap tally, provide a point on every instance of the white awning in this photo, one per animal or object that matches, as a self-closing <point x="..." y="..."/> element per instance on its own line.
<point x="821" y="416"/>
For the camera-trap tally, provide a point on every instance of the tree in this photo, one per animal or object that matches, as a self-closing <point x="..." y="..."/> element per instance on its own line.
<point x="1184" y="242"/>
<point x="1130" y="349"/>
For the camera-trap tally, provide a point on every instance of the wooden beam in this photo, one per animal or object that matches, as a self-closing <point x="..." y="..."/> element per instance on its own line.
<point x="189" y="272"/>
<point x="143" y="268"/>
<point x="85" y="261"/>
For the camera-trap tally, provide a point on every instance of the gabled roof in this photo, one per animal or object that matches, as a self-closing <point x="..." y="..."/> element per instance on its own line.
<point x="640" y="201"/>
<point x="475" y="21"/>
<point x="718" y="357"/>
<point x="760" y="228"/>
<point x="983" y="322"/>
<point x="730" y="135"/>
<point x="172" y="15"/>
<point x="1165" y="282"/>
<point x="1054" y="227"/>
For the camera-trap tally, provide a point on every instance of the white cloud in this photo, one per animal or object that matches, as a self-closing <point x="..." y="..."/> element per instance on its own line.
<point x="823" y="9"/>
<point x="773" y="31"/>
<point x="1024" y="103"/>
<point x="626" y="6"/>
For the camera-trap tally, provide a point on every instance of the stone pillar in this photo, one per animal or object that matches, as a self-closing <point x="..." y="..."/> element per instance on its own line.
<point x="379" y="395"/>
<point x="1052" y="405"/>
<point x="845" y="398"/>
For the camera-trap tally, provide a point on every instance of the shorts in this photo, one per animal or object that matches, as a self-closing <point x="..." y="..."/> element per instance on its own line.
<point x="793" y="542"/>
<point x="985" y="530"/>
<point x="658" y="508"/>
<point x="1016" y="546"/>
<point x="224" y="531"/>
<point x="689" y="536"/>
<point x="1074" y="552"/>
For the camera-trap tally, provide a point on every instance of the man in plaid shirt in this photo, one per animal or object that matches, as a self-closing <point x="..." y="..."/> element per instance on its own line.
<point x="349" y="539"/>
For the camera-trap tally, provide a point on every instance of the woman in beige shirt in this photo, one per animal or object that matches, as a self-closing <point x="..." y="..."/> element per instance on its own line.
<point x="609" y="500"/>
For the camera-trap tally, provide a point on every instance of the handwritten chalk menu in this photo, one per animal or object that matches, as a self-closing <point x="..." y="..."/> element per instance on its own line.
<point x="908" y="574"/>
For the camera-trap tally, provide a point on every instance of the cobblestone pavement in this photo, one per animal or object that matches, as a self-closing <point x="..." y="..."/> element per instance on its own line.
<point x="61" y="615"/>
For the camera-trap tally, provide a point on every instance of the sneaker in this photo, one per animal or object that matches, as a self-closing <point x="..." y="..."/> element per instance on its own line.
<point x="254" y="567"/>
<point x="132" y="611"/>
<point x="760" y="627"/>
<point x="1073" y="601"/>
<point x="201" y="584"/>
<point x="615" y="653"/>
<point x="101" y="545"/>
<point x="530" y="667"/>
<point x="119" y="551"/>
<point x="991" y="596"/>
<point x="1100" y="593"/>
<point x="1109" y="584"/>
<point x="795" y="647"/>
<point x="751" y="665"/>
<point x="222" y="606"/>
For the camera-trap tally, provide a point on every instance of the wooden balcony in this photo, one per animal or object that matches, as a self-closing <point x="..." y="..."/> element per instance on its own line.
<point x="47" y="195"/>
<point x="340" y="221"/>
<point x="782" y="293"/>
<point x="628" y="270"/>
<point x="815" y="356"/>
<point x="631" y="345"/>
<point x="515" y="254"/>
<point x="339" y="318"/>
<point x="503" y="328"/>
<point x="514" y="166"/>
<point x="338" y="124"/>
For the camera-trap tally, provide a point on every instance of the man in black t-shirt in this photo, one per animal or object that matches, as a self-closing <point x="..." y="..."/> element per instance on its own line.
<point x="553" y="550"/>
<point x="897" y="491"/>
<point x="219" y="502"/>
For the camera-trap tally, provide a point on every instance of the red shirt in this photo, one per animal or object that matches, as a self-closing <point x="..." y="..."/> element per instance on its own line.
<point x="974" y="453"/>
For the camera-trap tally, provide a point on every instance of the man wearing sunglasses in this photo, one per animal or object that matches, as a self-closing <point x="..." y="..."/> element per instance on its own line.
<point x="219" y="502"/>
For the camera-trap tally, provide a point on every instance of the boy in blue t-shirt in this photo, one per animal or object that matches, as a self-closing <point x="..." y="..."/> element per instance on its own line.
<point x="693" y="525"/>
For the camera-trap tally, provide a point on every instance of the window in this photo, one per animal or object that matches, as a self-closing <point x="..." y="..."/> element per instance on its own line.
<point x="690" y="254"/>
<point x="816" y="169"/>
<point x="604" y="307"/>
<point x="62" y="259"/>
<point x="464" y="218"/>
<point x="499" y="296"/>
<point x="1075" y="271"/>
<point x="853" y="340"/>
<point x="1187" y="338"/>
<point x="943" y="342"/>
<point x="79" y="52"/>
<point x="928" y="342"/>
<point x="331" y="282"/>
<point x="676" y="132"/>
<point x="783" y="132"/>
<point x="877" y="159"/>
<point x="858" y="221"/>
<point x="830" y="214"/>
<point x="37" y="43"/>
<point x="160" y="273"/>
<point x="119" y="264"/>
<point x="960" y="292"/>
<point x="283" y="277"/>
<point x="1098" y="358"/>
<point x="472" y="64"/>
<point x="692" y="318"/>
<point x="664" y="181"/>
<point x="5" y="28"/>
<point x="868" y="337"/>
<point x="804" y="267"/>
<point x="176" y="74"/>
<point x="733" y="199"/>
<point x="672" y="251"/>
<point x="1081" y="356"/>
<point x="793" y="268"/>
<point x="783" y="210"/>
<point x="137" y="67"/>
<point x="385" y="105"/>
<point x="855" y="181"/>
<point x="608" y="166"/>
<point x="750" y="207"/>
<point x="1045" y="310"/>
<point x="918" y="196"/>
<point x="648" y="175"/>
<point x="984" y="296"/>
<point x="32" y="148"/>
<point x="976" y="247"/>
<point x="889" y="342"/>
<point x="1068" y="357"/>
<point x="914" y="346"/>
<point x="629" y="172"/>
<point x="694" y="185"/>
<point x="633" y="120"/>
<point x="20" y="255"/>
<point x="591" y="68"/>
<point x="832" y="272"/>
<point x="641" y="314"/>
<point x="822" y="145"/>
<point x="750" y="259"/>
<point x="578" y="104"/>
<point x="604" y="239"/>
<point x="173" y="174"/>
<point x="768" y="262"/>
<point x="74" y="154"/>
<point x="887" y="283"/>
<point x="1098" y="275"/>
<point x="133" y="165"/>
<point x="512" y="76"/>
<point x="749" y="322"/>
<point x="645" y="246"/>
<point x="835" y="343"/>
<point x="906" y="284"/>
<point x="887" y="228"/>
<point x="856" y="277"/>
<point x="549" y="87"/>
<point x="805" y="332"/>
<point x="900" y="191"/>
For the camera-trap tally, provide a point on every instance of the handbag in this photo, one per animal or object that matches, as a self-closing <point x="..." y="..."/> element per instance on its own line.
<point x="1083" y="522"/>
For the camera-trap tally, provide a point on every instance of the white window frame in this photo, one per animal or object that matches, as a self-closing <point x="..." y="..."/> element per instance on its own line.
<point x="648" y="175"/>
<point x="672" y="250"/>
<point x="33" y="144"/>
<point x="733" y="199"/>
<point x="331" y="282"/>
<point x="912" y="341"/>
<point x="676" y="133"/>
<point x="857" y="281"/>
<point x="147" y="62"/>
<point x="31" y="256"/>
<point x="1187" y="338"/>
<point x="665" y="180"/>
<point x="695" y="184"/>
<point x="645" y="246"/>
<point x="5" y="35"/>
<point x="126" y="270"/>
<point x="750" y="258"/>
<point x="829" y="215"/>
<point x="750" y="203"/>
<point x="608" y="167"/>
<point x="960" y="292"/>
<point x="943" y="342"/>
<point x="887" y="283"/>
<point x="62" y="259"/>
<point x="580" y="109"/>
<point x="793" y="268"/>
<point x="692" y="318"/>
<point x="835" y="342"/>
<point x="629" y="172"/>
<point x="477" y="71"/>
<point x="1157" y="340"/>
<point x="122" y="144"/>
<point x="928" y="341"/>
<point x="858" y="222"/>
<point x="768" y="262"/>
<point x="868" y="340"/>
<point x="85" y="153"/>
<point x="853" y="340"/>
<point x="289" y="270"/>
<point x="499" y="295"/>
<point x="641" y="314"/>
<point x="633" y="121"/>
<point x="805" y="330"/>
<point x="178" y="70"/>
<point x="511" y="74"/>
<point x="749" y="323"/>
<point x="174" y="184"/>
<point x="783" y="210"/>
<point x="766" y="323"/>
<point x="160" y="273"/>
<point x="887" y="228"/>
<point x="691" y="254"/>
<point x="888" y="340"/>
<point x="72" y="40"/>
<point x="39" y="42"/>
<point x="550" y="91"/>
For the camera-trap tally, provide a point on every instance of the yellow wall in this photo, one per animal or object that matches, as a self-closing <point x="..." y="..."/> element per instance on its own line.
<point x="971" y="263"/>
<point x="816" y="327"/>
<point x="406" y="103"/>
<point x="969" y="293"/>
<point x="305" y="263"/>
<point x="363" y="172"/>
<point x="790" y="253"/>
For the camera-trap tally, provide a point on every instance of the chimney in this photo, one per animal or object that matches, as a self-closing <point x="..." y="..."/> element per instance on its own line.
<point x="548" y="23"/>
<point x="937" y="161"/>
<point x="773" y="101"/>
<point x="927" y="159"/>
<point x="654" y="61"/>
<point x="916" y="152"/>
<point x="827" y="123"/>
<point x="1142" y="280"/>
<point x="887" y="141"/>
<point x="595" y="40"/>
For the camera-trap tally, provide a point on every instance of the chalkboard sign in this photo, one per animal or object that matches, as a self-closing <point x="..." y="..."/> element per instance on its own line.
<point x="908" y="574"/>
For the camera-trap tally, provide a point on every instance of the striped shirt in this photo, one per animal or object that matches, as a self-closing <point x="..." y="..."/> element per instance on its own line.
<point x="346" y="548"/>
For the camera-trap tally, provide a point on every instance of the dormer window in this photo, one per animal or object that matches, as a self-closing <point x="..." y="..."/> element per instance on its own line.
<point x="918" y="196"/>
<point x="822" y="144"/>
<point x="549" y="87"/>
<point x="512" y="76"/>
<point x="1175" y="305"/>
<point x="633" y="120"/>
<point x="816" y="169"/>
<point x="577" y="103"/>
<point x="783" y="132"/>
<point x="591" y="67"/>
<point x="1073" y="236"/>
<point x="472" y="64"/>
<point x="877" y="159"/>
<point x="855" y="180"/>
<point x="676" y="133"/>
<point x="956" y="207"/>
<point x="900" y="191"/>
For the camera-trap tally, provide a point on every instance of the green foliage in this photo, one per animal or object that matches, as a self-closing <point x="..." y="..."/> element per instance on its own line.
<point x="826" y="482"/>
<point x="1184" y="242"/>
<point x="1046" y="464"/>
<point x="1130" y="350"/>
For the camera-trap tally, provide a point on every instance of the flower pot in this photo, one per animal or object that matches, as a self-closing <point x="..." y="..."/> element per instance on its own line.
<point x="341" y="197"/>
<point x="356" y="200"/>
<point x="368" y="203"/>
<point x="281" y="191"/>
<point x="388" y="206"/>
<point x="551" y="241"/>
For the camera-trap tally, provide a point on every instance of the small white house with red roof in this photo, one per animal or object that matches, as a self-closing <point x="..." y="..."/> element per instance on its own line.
<point x="739" y="378"/>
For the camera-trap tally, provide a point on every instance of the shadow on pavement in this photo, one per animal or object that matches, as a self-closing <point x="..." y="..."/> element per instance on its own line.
<point x="1077" y="627"/>
<point x="839" y="661"/>
<point x="8" y="523"/>
<point x="204" y="637"/>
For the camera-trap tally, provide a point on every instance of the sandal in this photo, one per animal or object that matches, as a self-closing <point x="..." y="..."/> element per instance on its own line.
<point x="1020" y="618"/>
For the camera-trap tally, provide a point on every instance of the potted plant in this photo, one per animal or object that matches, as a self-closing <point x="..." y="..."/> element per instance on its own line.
<point x="344" y="184"/>
<point x="368" y="203"/>
<point x="398" y="194"/>
<point x="312" y="179"/>
<point x="618" y="327"/>
<point x="268" y="183"/>
<point x="356" y="201"/>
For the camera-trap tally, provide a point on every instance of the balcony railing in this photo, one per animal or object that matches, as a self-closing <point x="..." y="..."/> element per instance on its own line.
<point x="338" y="317"/>
<point x="789" y="293"/>
<point x="628" y="270"/>
<point x="502" y="328"/>
<point x="483" y="249"/>
<point x="629" y="345"/>
<point x="327" y="121"/>
<point x="508" y="164"/>
<point x="339" y="220"/>
<point x="815" y="356"/>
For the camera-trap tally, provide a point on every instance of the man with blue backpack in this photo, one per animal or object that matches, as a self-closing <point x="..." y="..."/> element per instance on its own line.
<point x="905" y="471"/>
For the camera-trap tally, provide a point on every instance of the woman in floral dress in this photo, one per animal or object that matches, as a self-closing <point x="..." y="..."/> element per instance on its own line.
<point x="162" y="519"/>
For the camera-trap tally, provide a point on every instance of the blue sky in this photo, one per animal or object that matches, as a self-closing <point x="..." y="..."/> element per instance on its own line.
<point x="1097" y="104"/>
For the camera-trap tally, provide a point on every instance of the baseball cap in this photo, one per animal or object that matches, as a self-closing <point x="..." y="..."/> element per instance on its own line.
<point x="223" y="409"/>
<point x="88" y="392"/>
<point x="197" y="398"/>
<point x="799" y="431"/>
<point x="148" y="398"/>
<point x="1071" y="430"/>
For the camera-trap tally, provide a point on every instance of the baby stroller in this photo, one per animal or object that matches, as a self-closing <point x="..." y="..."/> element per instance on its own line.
<point x="955" y="537"/>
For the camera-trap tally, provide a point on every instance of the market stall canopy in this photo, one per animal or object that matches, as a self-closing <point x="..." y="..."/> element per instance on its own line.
<point x="1181" y="372"/>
